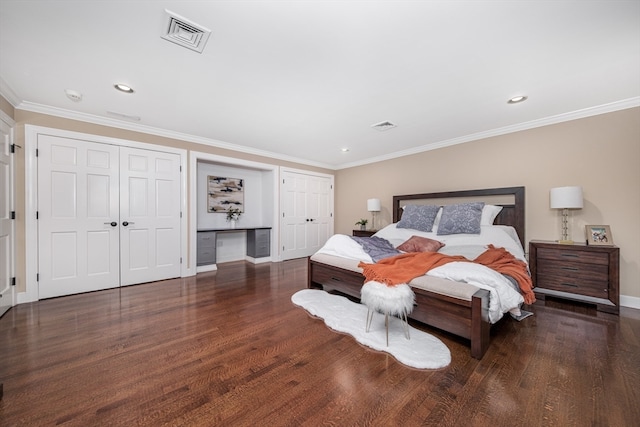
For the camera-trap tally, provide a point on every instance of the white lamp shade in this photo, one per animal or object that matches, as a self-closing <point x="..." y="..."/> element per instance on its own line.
<point x="373" y="205"/>
<point x="566" y="198"/>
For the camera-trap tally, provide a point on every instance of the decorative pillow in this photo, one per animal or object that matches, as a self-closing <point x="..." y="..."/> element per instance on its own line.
<point x="377" y="247"/>
<point x="489" y="214"/>
<point x="463" y="218"/>
<point x="420" y="244"/>
<point x="418" y="217"/>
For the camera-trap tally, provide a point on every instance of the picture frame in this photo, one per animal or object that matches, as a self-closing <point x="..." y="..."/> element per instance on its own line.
<point x="224" y="193"/>
<point x="599" y="235"/>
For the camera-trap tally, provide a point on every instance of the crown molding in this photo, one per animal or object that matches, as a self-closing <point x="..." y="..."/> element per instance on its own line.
<point x="135" y="127"/>
<point x="90" y="118"/>
<point x="560" y="118"/>
<point x="7" y="93"/>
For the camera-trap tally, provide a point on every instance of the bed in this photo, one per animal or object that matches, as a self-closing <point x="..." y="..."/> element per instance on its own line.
<point x="460" y="308"/>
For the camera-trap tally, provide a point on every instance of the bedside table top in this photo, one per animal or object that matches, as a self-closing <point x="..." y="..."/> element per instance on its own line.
<point x="580" y="245"/>
<point x="363" y="233"/>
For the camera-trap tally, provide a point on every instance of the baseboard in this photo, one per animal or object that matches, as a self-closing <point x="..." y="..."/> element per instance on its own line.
<point x="208" y="267"/>
<point x="261" y="260"/>
<point x="629" y="301"/>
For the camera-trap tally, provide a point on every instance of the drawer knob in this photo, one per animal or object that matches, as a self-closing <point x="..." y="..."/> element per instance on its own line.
<point x="570" y="268"/>
<point x="571" y="285"/>
<point x="570" y="255"/>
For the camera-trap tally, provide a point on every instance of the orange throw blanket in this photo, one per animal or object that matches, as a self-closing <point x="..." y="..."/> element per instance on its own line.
<point x="405" y="267"/>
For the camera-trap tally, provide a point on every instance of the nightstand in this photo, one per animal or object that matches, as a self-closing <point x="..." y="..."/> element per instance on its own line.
<point x="364" y="233"/>
<point x="578" y="272"/>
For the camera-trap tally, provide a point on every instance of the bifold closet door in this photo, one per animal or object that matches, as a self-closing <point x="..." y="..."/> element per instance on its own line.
<point x="78" y="216"/>
<point x="108" y="216"/>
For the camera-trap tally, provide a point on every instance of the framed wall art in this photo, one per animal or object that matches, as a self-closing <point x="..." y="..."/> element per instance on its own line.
<point x="599" y="235"/>
<point x="224" y="193"/>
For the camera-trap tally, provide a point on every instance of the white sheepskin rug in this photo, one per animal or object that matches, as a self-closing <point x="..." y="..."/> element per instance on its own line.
<point x="422" y="351"/>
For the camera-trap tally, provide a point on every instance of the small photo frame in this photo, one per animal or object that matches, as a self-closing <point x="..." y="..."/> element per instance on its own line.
<point x="599" y="235"/>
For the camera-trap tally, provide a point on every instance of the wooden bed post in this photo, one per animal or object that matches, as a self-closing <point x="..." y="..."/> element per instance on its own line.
<point x="480" y="326"/>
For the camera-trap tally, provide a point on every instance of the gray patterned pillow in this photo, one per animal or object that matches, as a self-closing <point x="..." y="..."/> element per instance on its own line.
<point x="418" y="217"/>
<point x="463" y="218"/>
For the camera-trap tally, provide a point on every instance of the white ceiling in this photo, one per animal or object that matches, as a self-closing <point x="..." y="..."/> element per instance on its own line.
<point x="299" y="80"/>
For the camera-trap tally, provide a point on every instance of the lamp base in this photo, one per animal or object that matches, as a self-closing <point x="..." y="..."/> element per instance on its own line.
<point x="565" y="242"/>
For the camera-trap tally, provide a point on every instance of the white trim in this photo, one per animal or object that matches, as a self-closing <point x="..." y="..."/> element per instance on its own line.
<point x="136" y="127"/>
<point x="261" y="260"/>
<point x="629" y="301"/>
<point x="7" y="92"/>
<point x="205" y="268"/>
<point x="31" y="197"/>
<point x="8" y="120"/>
<point x="9" y="125"/>
<point x="559" y="118"/>
<point x="31" y="207"/>
<point x="194" y="157"/>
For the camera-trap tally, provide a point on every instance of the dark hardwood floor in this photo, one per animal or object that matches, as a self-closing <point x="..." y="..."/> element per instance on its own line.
<point x="228" y="348"/>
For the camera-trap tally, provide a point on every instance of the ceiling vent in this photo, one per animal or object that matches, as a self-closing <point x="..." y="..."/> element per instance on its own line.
<point x="188" y="34"/>
<point x="382" y="126"/>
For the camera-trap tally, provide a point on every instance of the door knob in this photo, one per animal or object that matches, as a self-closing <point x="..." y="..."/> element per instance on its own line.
<point x="125" y="223"/>
<point x="113" y="223"/>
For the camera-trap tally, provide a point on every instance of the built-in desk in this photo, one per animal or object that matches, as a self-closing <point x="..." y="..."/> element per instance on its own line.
<point x="258" y="245"/>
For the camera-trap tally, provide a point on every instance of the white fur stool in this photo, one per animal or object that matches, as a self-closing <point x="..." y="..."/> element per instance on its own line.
<point x="395" y="300"/>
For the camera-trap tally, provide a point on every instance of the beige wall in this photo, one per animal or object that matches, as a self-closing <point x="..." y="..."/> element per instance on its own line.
<point x="6" y="107"/>
<point x="23" y="118"/>
<point x="600" y="153"/>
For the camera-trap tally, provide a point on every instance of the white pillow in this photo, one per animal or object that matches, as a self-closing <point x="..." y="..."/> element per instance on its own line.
<point x="489" y="214"/>
<point x="438" y="216"/>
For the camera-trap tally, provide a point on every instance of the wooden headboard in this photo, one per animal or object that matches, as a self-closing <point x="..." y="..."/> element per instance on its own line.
<point x="512" y="212"/>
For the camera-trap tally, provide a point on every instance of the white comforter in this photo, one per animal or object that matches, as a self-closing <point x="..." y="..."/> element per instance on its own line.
<point x="503" y="297"/>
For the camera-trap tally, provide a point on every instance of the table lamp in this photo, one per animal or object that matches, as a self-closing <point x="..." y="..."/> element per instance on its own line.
<point x="565" y="198"/>
<point x="373" y="206"/>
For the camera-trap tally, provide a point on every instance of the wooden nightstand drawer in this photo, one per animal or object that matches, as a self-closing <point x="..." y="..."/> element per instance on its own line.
<point x="577" y="272"/>
<point x="573" y="256"/>
<point x="594" y="288"/>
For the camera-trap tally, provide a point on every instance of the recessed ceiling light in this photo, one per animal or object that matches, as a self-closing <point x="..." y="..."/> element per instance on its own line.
<point x="516" y="99"/>
<point x="73" y="95"/>
<point x="123" y="88"/>
<point x="344" y="150"/>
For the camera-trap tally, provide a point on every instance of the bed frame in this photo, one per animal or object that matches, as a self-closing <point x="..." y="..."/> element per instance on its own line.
<point x="467" y="319"/>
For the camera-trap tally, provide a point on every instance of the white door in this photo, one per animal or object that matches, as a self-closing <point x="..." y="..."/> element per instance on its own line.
<point x="307" y="218"/>
<point x="78" y="216"/>
<point x="150" y="215"/>
<point x="6" y="227"/>
<point x="108" y="216"/>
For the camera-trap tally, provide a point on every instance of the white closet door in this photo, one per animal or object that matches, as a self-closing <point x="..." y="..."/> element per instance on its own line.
<point x="150" y="215"/>
<point x="319" y="209"/>
<point x="307" y="207"/>
<point x="6" y="229"/>
<point x="294" y="215"/>
<point x="78" y="216"/>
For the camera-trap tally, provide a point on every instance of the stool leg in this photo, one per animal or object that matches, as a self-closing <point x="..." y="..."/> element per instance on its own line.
<point x="405" y="324"/>
<point x="369" y="319"/>
<point x="386" y="325"/>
